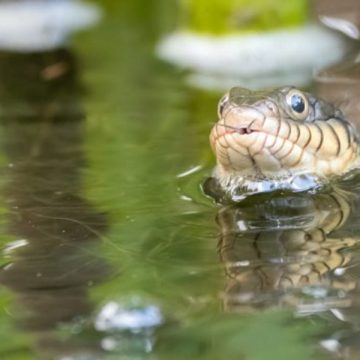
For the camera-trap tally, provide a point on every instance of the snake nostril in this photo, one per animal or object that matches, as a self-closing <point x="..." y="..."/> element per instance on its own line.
<point x="222" y="104"/>
<point x="271" y="106"/>
<point x="221" y="108"/>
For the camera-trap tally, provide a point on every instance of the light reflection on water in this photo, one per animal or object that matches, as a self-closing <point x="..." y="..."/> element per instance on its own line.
<point x="53" y="261"/>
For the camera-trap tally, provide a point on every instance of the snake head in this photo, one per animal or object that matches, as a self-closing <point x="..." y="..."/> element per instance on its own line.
<point x="279" y="133"/>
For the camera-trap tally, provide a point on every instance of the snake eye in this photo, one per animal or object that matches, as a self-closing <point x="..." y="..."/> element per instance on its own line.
<point x="298" y="104"/>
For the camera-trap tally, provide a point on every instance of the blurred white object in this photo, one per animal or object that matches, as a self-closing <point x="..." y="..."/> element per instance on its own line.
<point x="331" y="345"/>
<point x="114" y="316"/>
<point x="40" y="25"/>
<point x="345" y="26"/>
<point x="289" y="56"/>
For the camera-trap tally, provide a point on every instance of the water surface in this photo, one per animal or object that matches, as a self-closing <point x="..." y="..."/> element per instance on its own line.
<point x="109" y="247"/>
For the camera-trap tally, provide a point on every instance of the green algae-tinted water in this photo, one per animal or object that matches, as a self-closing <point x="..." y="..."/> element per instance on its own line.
<point x="109" y="248"/>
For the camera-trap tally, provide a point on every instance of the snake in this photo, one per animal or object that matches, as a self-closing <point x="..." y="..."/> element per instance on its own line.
<point x="271" y="136"/>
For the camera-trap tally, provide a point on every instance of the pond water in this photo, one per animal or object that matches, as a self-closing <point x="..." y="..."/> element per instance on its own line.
<point x="110" y="250"/>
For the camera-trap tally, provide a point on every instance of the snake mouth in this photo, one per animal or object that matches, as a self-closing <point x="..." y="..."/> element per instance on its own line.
<point x="239" y="130"/>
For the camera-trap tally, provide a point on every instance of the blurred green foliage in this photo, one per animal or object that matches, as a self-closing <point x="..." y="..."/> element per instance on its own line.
<point x="221" y="17"/>
<point x="258" y="336"/>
